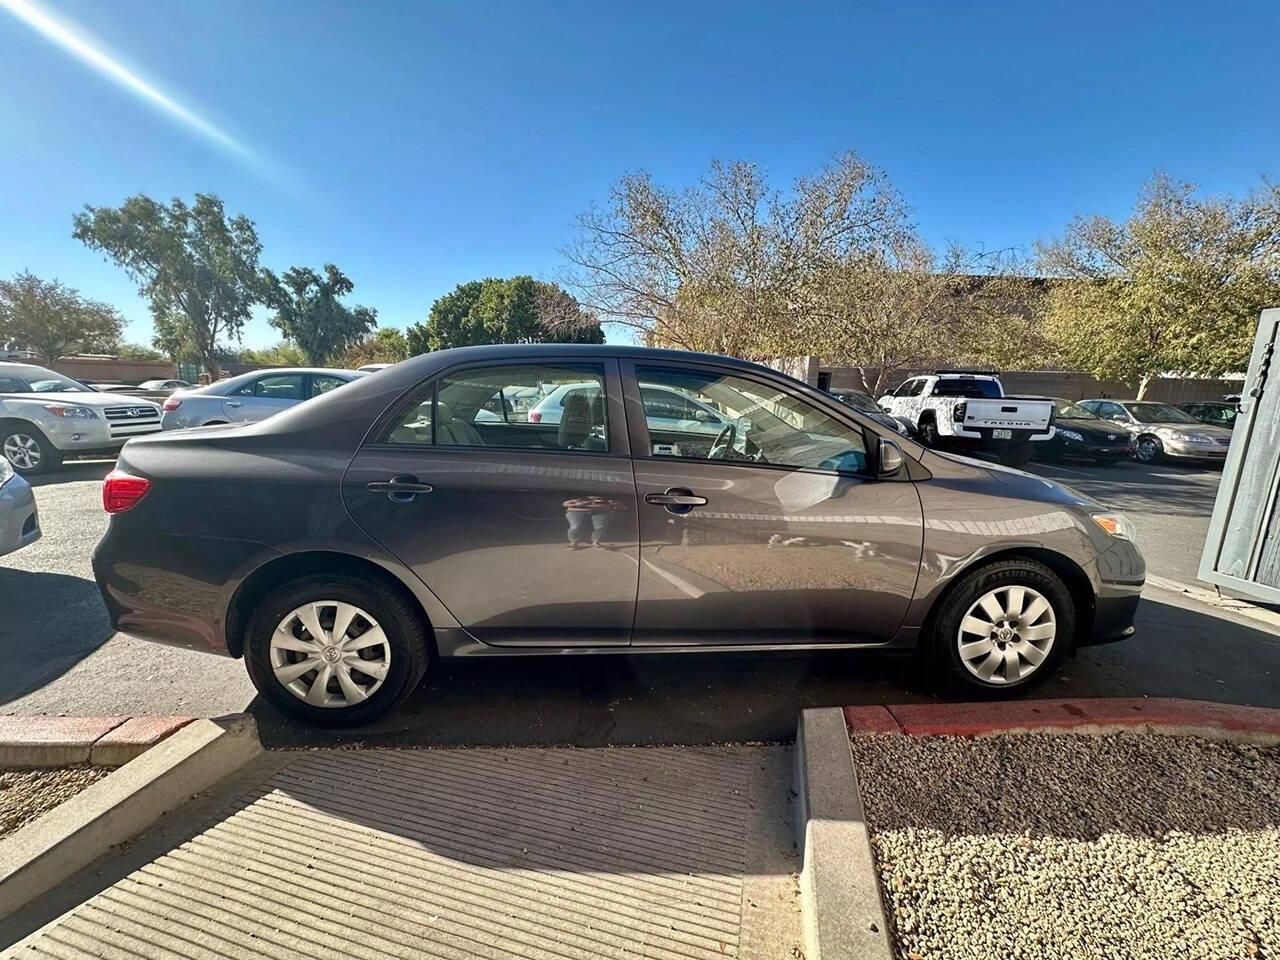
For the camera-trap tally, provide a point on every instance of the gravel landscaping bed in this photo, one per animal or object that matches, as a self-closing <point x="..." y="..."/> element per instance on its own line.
<point x="1074" y="846"/>
<point x="26" y="794"/>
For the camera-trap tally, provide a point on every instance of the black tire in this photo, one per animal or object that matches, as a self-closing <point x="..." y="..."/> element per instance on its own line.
<point x="49" y="457"/>
<point x="1149" y="449"/>
<point x="1015" y="454"/>
<point x="398" y="615"/>
<point x="929" y="435"/>
<point x="950" y="671"/>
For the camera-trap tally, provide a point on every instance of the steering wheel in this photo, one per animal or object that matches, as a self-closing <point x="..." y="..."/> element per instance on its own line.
<point x="723" y="443"/>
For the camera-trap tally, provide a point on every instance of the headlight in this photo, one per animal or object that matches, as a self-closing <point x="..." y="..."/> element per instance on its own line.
<point x="1116" y="525"/>
<point x="71" y="413"/>
<point x="1071" y="435"/>
<point x="6" y="470"/>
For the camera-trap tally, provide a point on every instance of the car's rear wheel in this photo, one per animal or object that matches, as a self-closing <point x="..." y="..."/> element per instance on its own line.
<point x="29" y="451"/>
<point x="1003" y="629"/>
<point x="1015" y="454"/>
<point x="929" y="435"/>
<point x="1149" y="449"/>
<point x="336" y="651"/>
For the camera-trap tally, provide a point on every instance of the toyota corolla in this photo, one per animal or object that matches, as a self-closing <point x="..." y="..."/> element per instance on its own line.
<point x="346" y="544"/>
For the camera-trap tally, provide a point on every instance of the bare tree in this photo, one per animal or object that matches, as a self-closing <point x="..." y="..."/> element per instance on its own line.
<point x="721" y="266"/>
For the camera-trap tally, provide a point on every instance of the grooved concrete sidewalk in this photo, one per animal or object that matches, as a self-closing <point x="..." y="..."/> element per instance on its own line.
<point x="565" y="854"/>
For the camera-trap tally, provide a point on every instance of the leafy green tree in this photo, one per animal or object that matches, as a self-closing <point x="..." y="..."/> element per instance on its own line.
<point x="517" y="310"/>
<point x="136" y="351"/>
<point x="197" y="268"/>
<point x="310" y="312"/>
<point x="53" y="321"/>
<point x="386" y="345"/>
<point x="1176" y="288"/>
<point x="283" y="354"/>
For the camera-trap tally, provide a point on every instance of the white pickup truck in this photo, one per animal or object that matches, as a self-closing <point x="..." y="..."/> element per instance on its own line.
<point x="971" y="411"/>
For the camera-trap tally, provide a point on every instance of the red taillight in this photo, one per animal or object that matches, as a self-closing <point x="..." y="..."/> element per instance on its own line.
<point x="535" y="416"/>
<point x="173" y="403"/>
<point x="122" y="491"/>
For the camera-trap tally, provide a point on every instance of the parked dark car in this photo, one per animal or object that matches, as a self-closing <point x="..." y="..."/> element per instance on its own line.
<point x="1080" y="433"/>
<point x="1215" y="412"/>
<point x="864" y="404"/>
<point x="344" y="544"/>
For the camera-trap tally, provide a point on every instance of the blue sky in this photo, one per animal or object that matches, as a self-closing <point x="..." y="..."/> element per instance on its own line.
<point x="419" y="145"/>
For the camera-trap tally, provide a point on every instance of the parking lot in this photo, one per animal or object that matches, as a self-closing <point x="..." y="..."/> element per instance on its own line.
<point x="63" y="658"/>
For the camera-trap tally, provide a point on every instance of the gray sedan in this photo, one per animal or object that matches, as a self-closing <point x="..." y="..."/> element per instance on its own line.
<point x="250" y="396"/>
<point x="19" y="519"/>
<point x="1163" y="431"/>
<point x="343" y="546"/>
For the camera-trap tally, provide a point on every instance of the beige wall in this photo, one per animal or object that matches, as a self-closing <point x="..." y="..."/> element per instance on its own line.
<point x="1069" y="384"/>
<point x="108" y="370"/>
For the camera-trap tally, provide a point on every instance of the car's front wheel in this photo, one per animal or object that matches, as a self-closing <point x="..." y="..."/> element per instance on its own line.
<point x="1148" y="450"/>
<point x="29" y="451"/>
<point x="1003" y="629"/>
<point x="336" y="650"/>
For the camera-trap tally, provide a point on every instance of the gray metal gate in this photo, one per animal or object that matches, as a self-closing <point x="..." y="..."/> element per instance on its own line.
<point x="1242" y="549"/>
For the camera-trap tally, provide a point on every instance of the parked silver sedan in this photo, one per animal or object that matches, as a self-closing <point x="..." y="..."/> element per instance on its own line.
<point x="19" y="519"/>
<point x="1163" y="431"/>
<point x="250" y="396"/>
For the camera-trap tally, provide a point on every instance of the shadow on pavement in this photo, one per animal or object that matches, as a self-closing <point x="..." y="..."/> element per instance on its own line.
<point x="1178" y="489"/>
<point x="73" y="471"/>
<point x="51" y="622"/>
<point x="702" y="699"/>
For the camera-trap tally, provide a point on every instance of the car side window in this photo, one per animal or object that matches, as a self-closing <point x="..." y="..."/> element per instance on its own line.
<point x="323" y="383"/>
<point x="278" y="386"/>
<point x="532" y="406"/>
<point x="756" y="423"/>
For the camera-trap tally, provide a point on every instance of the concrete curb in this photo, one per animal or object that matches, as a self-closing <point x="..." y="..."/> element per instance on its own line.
<point x="1159" y="715"/>
<point x="1214" y="598"/>
<point x="71" y="836"/>
<point x="29" y="742"/>
<point x="844" y="916"/>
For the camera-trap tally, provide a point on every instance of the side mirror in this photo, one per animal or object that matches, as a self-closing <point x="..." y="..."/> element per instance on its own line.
<point x="891" y="458"/>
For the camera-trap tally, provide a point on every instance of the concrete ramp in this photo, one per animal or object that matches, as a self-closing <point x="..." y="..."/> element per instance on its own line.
<point x="564" y="854"/>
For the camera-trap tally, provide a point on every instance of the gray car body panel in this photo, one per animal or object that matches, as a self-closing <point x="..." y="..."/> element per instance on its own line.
<point x="19" y="518"/>
<point x="490" y="565"/>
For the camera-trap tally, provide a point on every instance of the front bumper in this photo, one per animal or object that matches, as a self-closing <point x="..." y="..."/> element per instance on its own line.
<point x="1122" y="571"/>
<point x="78" y="436"/>
<point x="1195" y="451"/>
<point x="1087" y="448"/>
<point x="19" y="517"/>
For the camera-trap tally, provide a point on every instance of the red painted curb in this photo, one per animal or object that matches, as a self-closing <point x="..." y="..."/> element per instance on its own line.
<point x="976" y="719"/>
<point x="42" y="741"/>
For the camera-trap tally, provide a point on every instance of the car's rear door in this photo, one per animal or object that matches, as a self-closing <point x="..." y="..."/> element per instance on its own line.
<point x="776" y="533"/>
<point x="268" y="394"/>
<point x="526" y="532"/>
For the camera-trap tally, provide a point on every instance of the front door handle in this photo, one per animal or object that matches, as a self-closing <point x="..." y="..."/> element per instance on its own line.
<point x="235" y="403"/>
<point x="403" y="489"/>
<point x="676" y="499"/>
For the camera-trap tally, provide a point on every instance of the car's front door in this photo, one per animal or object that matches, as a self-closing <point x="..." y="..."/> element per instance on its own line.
<point x="526" y="532"/>
<point x="260" y="398"/>
<point x="772" y="532"/>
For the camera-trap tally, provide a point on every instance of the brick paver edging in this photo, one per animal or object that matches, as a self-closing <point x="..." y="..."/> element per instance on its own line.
<point x="1104" y="715"/>
<point x="27" y="742"/>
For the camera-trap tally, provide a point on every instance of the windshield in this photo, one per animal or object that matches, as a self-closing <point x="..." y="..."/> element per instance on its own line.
<point x="859" y="401"/>
<point x="1158" y="413"/>
<point x="1072" y="411"/>
<point x="38" y="380"/>
<point x="967" y="387"/>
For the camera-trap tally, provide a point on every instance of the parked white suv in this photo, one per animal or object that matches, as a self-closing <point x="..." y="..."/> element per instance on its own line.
<point x="45" y="417"/>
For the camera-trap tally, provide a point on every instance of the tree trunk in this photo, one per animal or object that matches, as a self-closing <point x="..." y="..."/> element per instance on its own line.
<point x="1143" y="384"/>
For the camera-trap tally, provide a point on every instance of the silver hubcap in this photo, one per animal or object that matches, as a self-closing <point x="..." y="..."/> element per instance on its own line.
<point x="330" y="654"/>
<point x="22" y="451"/>
<point x="1007" y="634"/>
<point x="1146" y="450"/>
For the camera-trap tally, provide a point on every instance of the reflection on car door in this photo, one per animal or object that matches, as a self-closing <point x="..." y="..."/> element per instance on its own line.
<point x="780" y="537"/>
<point x="527" y="532"/>
<point x="260" y="398"/>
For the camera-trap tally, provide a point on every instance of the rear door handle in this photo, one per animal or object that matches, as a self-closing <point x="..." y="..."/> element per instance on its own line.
<point x="676" y="500"/>
<point x="400" y="489"/>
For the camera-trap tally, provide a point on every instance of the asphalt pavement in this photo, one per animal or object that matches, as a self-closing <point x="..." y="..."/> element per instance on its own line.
<point x="57" y="653"/>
